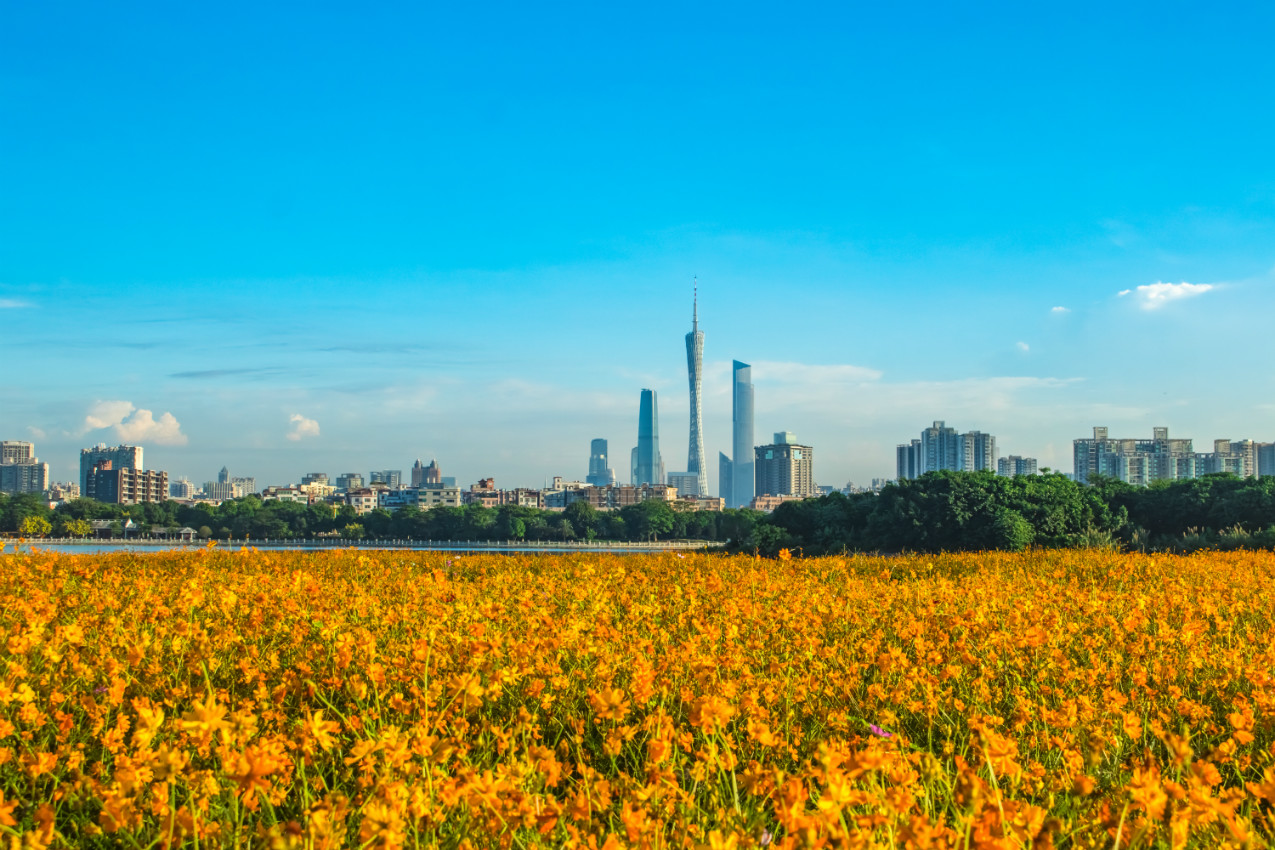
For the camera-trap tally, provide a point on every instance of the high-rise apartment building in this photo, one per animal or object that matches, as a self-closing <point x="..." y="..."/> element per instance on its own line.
<point x="694" y="367"/>
<point x="909" y="461"/>
<point x="121" y="457"/>
<point x="1015" y="465"/>
<point x="391" y="478"/>
<point x="649" y="466"/>
<point x="743" y="466"/>
<point x="1133" y="461"/>
<point x="17" y="451"/>
<point x="126" y="486"/>
<point x="784" y="468"/>
<point x="941" y="447"/>
<point x="1238" y="457"/>
<point x="319" y="478"/>
<point x="978" y="451"/>
<point x="1265" y="459"/>
<point x="218" y="491"/>
<point x="600" y="473"/>
<point x="181" y="489"/>
<point x="20" y="470"/>
<point x="349" y="481"/>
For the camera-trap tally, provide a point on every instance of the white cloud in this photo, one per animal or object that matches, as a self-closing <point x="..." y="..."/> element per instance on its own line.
<point x="1060" y="310"/>
<point x="132" y="424"/>
<point x="302" y="427"/>
<point x="1024" y="347"/>
<point x="143" y="427"/>
<point x="105" y="414"/>
<point x="12" y="304"/>
<point x="1153" y="296"/>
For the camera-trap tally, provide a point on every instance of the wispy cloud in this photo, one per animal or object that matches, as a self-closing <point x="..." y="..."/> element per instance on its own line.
<point x="1057" y="310"/>
<point x="1023" y="347"/>
<point x="1153" y="296"/>
<point x="132" y="424"/>
<point x="771" y="370"/>
<point x="199" y="374"/>
<point x="302" y="427"/>
<point x="13" y="304"/>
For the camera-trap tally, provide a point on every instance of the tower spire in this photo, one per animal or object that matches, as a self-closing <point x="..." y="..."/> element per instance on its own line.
<point x="695" y="304"/>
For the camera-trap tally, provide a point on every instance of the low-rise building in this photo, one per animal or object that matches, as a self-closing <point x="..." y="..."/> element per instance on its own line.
<point x="317" y="491"/>
<point x="364" y="500"/>
<point x="700" y="503"/>
<point x="620" y="495"/>
<point x="423" y="497"/>
<point x="766" y="504"/>
<point x="285" y="494"/>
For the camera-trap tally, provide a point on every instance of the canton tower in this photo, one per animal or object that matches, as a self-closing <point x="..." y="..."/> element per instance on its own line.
<point x="694" y="369"/>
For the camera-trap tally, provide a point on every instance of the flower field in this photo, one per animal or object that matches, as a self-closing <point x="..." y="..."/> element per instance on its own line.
<point x="355" y="699"/>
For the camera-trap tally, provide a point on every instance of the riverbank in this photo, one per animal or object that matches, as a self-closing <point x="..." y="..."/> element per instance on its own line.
<point x="89" y="546"/>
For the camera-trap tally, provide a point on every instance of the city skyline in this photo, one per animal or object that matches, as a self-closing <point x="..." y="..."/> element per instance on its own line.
<point x="342" y="250"/>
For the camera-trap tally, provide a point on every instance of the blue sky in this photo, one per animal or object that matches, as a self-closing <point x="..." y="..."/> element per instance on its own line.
<point x="288" y="238"/>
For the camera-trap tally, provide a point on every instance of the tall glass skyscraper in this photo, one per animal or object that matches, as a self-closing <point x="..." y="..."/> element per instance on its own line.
<point x="694" y="369"/>
<point x="650" y="468"/>
<point x="742" y="432"/>
<point x="724" y="470"/>
<point x="600" y="474"/>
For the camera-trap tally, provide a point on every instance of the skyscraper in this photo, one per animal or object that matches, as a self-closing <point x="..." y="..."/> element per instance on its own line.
<point x="694" y="368"/>
<point x="724" y="470"/>
<point x="650" y="466"/>
<point x="600" y="474"/>
<point x="742" y="434"/>
<point x="785" y="467"/>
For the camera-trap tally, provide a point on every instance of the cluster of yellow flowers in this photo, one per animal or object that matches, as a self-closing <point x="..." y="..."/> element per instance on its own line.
<point x="1058" y="698"/>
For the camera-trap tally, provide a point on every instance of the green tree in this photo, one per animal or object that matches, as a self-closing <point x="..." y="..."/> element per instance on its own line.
<point x="352" y="531"/>
<point x="77" y="528"/>
<point x="648" y="520"/>
<point x="35" y="526"/>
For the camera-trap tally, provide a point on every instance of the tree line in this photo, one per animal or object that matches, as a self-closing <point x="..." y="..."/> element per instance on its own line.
<point x="940" y="511"/>
<point x="253" y="519"/>
<point x="960" y="511"/>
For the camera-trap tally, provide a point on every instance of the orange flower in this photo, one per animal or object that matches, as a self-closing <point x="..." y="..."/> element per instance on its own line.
<point x="6" y="811"/>
<point x="609" y="703"/>
<point x="204" y="718"/>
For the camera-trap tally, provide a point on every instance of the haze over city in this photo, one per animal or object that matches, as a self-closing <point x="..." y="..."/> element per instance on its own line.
<point x="288" y="239"/>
